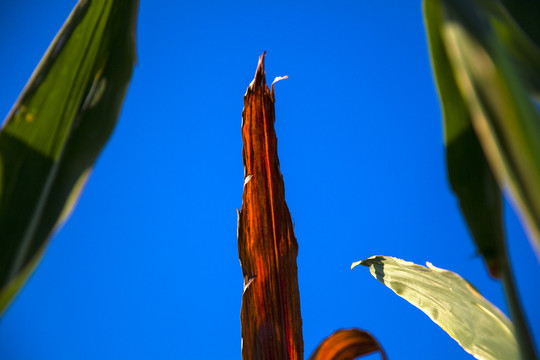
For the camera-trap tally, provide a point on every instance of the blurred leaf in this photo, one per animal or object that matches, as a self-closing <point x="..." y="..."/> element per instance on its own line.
<point x="496" y="67"/>
<point x="525" y="14"/>
<point x="487" y="56"/>
<point x="267" y="247"/>
<point x="347" y="345"/>
<point x="452" y="303"/>
<point x="469" y="173"/>
<point x="57" y="128"/>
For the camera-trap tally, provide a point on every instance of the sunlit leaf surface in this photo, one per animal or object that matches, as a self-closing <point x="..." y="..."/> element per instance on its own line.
<point x="452" y="303"/>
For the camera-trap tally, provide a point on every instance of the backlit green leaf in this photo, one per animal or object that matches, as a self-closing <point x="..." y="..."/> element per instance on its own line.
<point x="56" y="129"/>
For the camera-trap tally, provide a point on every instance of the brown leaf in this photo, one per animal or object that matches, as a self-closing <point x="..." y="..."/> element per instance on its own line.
<point x="270" y="315"/>
<point x="347" y="345"/>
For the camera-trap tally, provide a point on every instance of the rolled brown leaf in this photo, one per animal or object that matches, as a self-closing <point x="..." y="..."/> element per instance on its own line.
<point x="347" y="344"/>
<point x="267" y="247"/>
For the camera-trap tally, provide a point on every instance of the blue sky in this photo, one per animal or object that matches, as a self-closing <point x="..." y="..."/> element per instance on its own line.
<point x="147" y="266"/>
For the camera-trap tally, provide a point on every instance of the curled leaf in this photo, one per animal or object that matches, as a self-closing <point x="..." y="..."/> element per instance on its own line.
<point x="347" y="344"/>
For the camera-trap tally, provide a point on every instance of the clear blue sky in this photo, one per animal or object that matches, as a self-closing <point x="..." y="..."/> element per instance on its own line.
<point x="147" y="266"/>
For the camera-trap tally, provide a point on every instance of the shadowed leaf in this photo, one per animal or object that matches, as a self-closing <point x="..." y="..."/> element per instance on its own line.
<point x="57" y="128"/>
<point x="347" y="345"/>
<point x="525" y="13"/>
<point x="469" y="173"/>
<point x="452" y="303"/>
<point x="267" y="247"/>
<point x="496" y="67"/>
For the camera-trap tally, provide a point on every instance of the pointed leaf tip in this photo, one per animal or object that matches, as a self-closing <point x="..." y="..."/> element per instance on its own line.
<point x="260" y="75"/>
<point x="377" y="259"/>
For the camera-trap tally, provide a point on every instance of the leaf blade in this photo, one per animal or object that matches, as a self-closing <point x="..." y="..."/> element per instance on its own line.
<point x="267" y="248"/>
<point x="452" y="303"/>
<point x="497" y="70"/>
<point x="56" y="129"/>
<point x="469" y="174"/>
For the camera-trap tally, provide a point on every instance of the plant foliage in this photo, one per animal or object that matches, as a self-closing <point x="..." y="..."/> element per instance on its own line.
<point x="56" y="129"/>
<point x="452" y="303"/>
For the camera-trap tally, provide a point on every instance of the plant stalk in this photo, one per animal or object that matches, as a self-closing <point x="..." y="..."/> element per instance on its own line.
<point x="523" y="334"/>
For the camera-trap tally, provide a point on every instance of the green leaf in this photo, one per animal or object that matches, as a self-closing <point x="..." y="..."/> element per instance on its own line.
<point x="487" y="62"/>
<point x="496" y="67"/>
<point x="452" y="303"/>
<point x="56" y="129"/>
<point x="469" y="173"/>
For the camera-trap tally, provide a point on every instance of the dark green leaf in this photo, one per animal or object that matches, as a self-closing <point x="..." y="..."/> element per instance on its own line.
<point x="469" y="174"/>
<point x="497" y="69"/>
<point x="525" y="14"/>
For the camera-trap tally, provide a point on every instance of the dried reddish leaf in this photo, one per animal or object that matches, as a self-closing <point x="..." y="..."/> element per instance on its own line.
<point x="347" y="345"/>
<point x="270" y="315"/>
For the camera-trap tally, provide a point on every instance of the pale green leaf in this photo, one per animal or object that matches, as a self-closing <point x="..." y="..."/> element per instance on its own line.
<point x="452" y="303"/>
